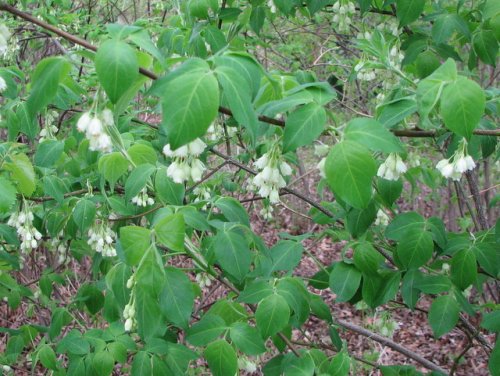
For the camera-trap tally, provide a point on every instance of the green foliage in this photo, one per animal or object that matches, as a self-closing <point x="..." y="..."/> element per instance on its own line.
<point x="138" y="184"/>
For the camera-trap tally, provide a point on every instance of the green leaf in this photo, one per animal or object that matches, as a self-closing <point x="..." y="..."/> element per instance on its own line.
<point x="47" y="357"/>
<point x="103" y="363"/>
<point x="205" y="330"/>
<point x="286" y="255"/>
<point x="415" y="249"/>
<point x="486" y="46"/>
<point x="389" y="190"/>
<point x="142" y="154"/>
<point x="141" y="364"/>
<point x="117" y="68"/>
<point x="443" y="315"/>
<point x="177" y="297"/>
<point x="344" y="281"/>
<point x="237" y="93"/>
<point x="255" y="291"/>
<point x="272" y="315"/>
<point x="464" y="268"/>
<point x="168" y="191"/>
<point x="373" y="135"/>
<point x="48" y="152"/>
<point x="150" y="322"/>
<point x="84" y="214"/>
<point x="433" y="284"/>
<point x="233" y="210"/>
<point x="367" y="259"/>
<point x="170" y="232"/>
<point x="359" y="220"/>
<point x="221" y="358"/>
<point x="350" y="168"/>
<point x="303" y="126"/>
<point x="300" y="366"/>
<point x="409" y="292"/>
<point x="408" y="11"/>
<point x="22" y="173"/>
<point x="232" y="253"/>
<point x="491" y="321"/>
<point x="92" y="297"/>
<point x="7" y="195"/>
<point x="429" y="89"/>
<point x="135" y="241"/>
<point x="116" y="282"/>
<point x="404" y="223"/>
<point x="445" y="25"/>
<point x="137" y="180"/>
<point x="340" y="365"/>
<point x="45" y="81"/>
<point x="494" y="361"/>
<point x="392" y="113"/>
<point x="247" y="338"/>
<point x="462" y="106"/>
<point x="112" y="166"/>
<point x="60" y="317"/>
<point x="190" y="104"/>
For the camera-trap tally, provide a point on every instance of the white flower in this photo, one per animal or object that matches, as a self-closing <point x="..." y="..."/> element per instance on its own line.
<point x="196" y="147"/>
<point x="197" y="168"/>
<point x="142" y="199"/>
<point x="272" y="6"/>
<point x="128" y="325"/>
<point x="459" y="163"/>
<point x="204" y="280"/>
<point x="270" y="178"/>
<point x="3" y="84"/>
<point x="392" y="168"/>
<point x="246" y="364"/>
<point x="94" y="127"/>
<point x="28" y="234"/>
<point x="176" y="172"/>
<point x="267" y="212"/>
<point x="101" y="239"/>
<point x="382" y="218"/>
<point x="285" y="168"/>
<point x="320" y="150"/>
<point x="321" y="168"/>
<point x="107" y="117"/>
<point x="83" y="122"/>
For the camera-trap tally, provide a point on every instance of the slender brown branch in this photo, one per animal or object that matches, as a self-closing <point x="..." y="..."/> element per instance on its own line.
<point x="474" y="190"/>
<point x="390" y="343"/>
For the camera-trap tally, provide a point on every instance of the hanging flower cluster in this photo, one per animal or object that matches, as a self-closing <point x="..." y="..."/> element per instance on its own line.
<point x="267" y="212"/>
<point x="272" y="6"/>
<point x="457" y="164"/>
<point x="101" y="239"/>
<point x="142" y="199"/>
<point x="3" y="84"/>
<point x="57" y="245"/>
<point x="94" y="127"/>
<point x="272" y="168"/>
<point x="204" y="280"/>
<point x="202" y="193"/>
<point x="382" y="218"/>
<point x="343" y="14"/>
<point x="392" y="168"/>
<point x="245" y="364"/>
<point x="363" y="73"/>
<point x="4" y="37"/>
<point x="27" y="232"/>
<point x="395" y="57"/>
<point x="185" y="164"/>
<point x="321" y="150"/>
<point x="129" y="316"/>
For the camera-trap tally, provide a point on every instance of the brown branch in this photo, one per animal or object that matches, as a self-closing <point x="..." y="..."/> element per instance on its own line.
<point x="390" y="343"/>
<point x="474" y="190"/>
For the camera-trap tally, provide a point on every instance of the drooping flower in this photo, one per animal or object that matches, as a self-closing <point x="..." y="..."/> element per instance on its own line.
<point x="382" y="218"/>
<point x="94" y="127"/>
<point x="4" y="37"/>
<point x="457" y="164"/>
<point x="343" y="12"/>
<point x="270" y="178"/>
<point x="185" y="164"/>
<point x="392" y="168"/>
<point x="101" y="239"/>
<point x="142" y="199"/>
<point x="28" y="234"/>
<point x="3" y="84"/>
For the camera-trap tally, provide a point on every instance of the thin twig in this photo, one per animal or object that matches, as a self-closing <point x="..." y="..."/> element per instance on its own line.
<point x="393" y="345"/>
